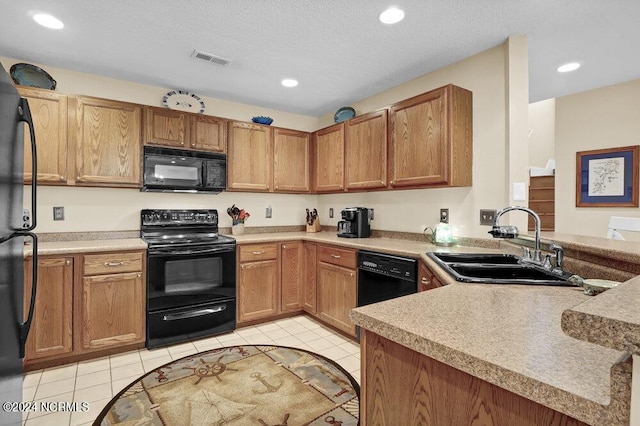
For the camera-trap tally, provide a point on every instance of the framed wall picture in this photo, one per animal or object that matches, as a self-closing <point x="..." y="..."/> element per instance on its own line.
<point x="607" y="177"/>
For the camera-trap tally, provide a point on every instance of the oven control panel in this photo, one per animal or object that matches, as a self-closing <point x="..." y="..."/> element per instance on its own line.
<point x="178" y="217"/>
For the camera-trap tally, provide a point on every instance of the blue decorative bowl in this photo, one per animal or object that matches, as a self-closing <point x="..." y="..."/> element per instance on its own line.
<point x="262" y="120"/>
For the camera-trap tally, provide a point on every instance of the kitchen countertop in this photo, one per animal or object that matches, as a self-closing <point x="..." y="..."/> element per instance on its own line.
<point x="518" y="337"/>
<point x="71" y="247"/>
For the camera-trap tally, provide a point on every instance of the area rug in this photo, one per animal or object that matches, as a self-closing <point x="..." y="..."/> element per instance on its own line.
<point x="240" y="385"/>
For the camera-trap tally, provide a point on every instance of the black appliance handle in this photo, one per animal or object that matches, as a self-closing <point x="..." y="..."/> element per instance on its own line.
<point x="194" y="314"/>
<point x="25" y="116"/>
<point x="188" y="252"/>
<point x="25" y="327"/>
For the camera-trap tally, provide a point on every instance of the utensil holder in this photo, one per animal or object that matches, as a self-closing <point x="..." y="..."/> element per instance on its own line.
<point x="237" y="228"/>
<point x="315" y="227"/>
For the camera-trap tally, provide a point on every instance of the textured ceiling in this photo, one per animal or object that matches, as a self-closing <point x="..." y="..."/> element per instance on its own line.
<point x="338" y="50"/>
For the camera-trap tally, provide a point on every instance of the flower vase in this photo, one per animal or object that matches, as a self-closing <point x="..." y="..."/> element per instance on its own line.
<point x="237" y="227"/>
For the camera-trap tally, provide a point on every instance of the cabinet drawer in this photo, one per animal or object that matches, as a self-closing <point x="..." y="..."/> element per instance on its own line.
<point x="97" y="264"/>
<point x="337" y="256"/>
<point x="253" y="252"/>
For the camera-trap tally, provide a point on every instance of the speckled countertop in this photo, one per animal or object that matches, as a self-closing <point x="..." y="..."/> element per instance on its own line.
<point x="508" y="335"/>
<point x="71" y="247"/>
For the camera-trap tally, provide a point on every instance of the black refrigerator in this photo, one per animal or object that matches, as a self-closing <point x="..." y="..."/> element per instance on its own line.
<point x="14" y="324"/>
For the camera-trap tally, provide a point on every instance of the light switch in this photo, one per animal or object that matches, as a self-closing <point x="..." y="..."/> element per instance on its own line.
<point x="519" y="191"/>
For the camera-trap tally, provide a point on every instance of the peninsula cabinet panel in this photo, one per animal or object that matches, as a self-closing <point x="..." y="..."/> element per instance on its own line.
<point x="112" y="310"/>
<point x="290" y="161"/>
<point x="337" y="291"/>
<point x="208" y="133"/>
<point x="431" y="139"/>
<point x="250" y="157"/>
<point x="291" y="273"/>
<point x="108" y="141"/>
<point x="426" y="279"/>
<point x="49" y="112"/>
<point x="166" y="127"/>
<point x="399" y="383"/>
<point x="258" y="290"/>
<point x="329" y="159"/>
<point x="52" y="327"/>
<point x="309" y="278"/>
<point x="366" y="151"/>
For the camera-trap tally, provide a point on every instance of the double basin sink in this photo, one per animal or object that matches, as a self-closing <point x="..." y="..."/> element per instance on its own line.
<point x="495" y="268"/>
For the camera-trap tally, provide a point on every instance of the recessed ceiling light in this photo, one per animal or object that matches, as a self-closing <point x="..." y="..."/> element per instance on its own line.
<point x="392" y="15"/>
<point x="48" y="21"/>
<point x="289" y="82"/>
<point x="571" y="66"/>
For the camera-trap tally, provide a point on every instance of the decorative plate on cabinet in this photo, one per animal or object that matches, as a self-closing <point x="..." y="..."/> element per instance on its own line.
<point x="344" y="114"/>
<point x="30" y="75"/>
<point x="182" y="100"/>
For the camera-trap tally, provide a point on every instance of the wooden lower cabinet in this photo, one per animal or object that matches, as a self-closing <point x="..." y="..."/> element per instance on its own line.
<point x="258" y="290"/>
<point x="401" y="386"/>
<point x="291" y="269"/>
<point x="337" y="290"/>
<point x="112" y="310"/>
<point x="308" y="284"/>
<point x="52" y="327"/>
<point x="426" y="278"/>
<point x="81" y="309"/>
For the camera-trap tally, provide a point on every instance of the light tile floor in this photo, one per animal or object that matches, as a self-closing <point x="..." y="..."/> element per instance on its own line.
<point x="97" y="381"/>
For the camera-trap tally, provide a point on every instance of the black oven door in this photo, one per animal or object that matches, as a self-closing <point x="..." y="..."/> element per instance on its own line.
<point x="178" y="277"/>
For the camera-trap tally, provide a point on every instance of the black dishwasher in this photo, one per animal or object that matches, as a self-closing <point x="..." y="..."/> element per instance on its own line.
<point x="384" y="276"/>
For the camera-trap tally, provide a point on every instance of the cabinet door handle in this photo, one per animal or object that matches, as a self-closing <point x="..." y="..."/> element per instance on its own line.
<point x="336" y="256"/>
<point x="114" y="263"/>
<point x="258" y="252"/>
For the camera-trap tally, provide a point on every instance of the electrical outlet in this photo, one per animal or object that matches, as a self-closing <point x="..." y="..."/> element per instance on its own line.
<point x="58" y="213"/>
<point x="331" y="213"/>
<point x="268" y="212"/>
<point x="487" y="216"/>
<point x="444" y="215"/>
<point x="26" y="218"/>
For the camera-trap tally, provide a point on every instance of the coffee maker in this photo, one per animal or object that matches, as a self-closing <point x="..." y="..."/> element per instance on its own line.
<point x="355" y="223"/>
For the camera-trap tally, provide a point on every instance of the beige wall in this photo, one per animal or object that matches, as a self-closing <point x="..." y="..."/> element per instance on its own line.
<point x="542" y="125"/>
<point x="601" y="118"/>
<point x="412" y="210"/>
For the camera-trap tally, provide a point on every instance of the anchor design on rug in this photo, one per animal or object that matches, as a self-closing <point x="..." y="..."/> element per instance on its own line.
<point x="270" y="388"/>
<point x="209" y="369"/>
<point x="284" y="421"/>
<point x="332" y="421"/>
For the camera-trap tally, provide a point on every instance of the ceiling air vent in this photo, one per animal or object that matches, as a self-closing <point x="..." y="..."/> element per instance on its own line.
<point x="198" y="54"/>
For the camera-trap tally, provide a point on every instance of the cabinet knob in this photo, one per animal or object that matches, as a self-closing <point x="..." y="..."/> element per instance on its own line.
<point x="284" y="247"/>
<point x="391" y="182"/>
<point x="425" y="281"/>
<point x="242" y="266"/>
<point x="193" y="144"/>
<point x="78" y="178"/>
<point x="276" y="187"/>
<point x="182" y="143"/>
<point x="62" y="178"/>
<point x="351" y="274"/>
<point x="67" y="262"/>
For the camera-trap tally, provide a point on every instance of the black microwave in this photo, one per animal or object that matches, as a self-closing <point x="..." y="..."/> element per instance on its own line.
<point x="176" y="170"/>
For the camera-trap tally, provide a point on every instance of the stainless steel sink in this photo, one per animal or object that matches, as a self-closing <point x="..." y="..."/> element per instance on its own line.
<point x="493" y="268"/>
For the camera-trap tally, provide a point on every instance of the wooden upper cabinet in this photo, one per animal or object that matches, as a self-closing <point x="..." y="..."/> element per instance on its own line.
<point x="49" y="112"/>
<point x="290" y="161"/>
<point x="329" y="159"/>
<point x="431" y="139"/>
<point x="250" y="157"/>
<point x="208" y="133"/>
<point x="366" y="151"/>
<point x="108" y="142"/>
<point x="166" y="127"/>
<point x="52" y="327"/>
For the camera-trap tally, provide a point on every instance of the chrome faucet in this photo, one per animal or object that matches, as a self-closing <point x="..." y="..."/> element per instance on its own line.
<point x="510" y="231"/>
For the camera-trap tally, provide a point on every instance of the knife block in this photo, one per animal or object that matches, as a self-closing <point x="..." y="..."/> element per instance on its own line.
<point x="315" y="227"/>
